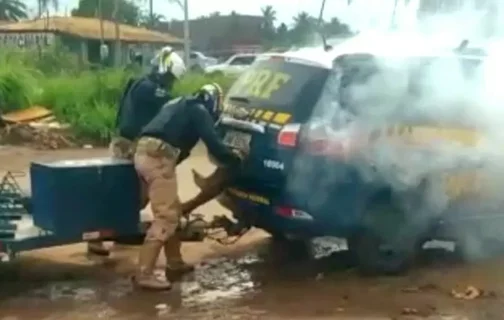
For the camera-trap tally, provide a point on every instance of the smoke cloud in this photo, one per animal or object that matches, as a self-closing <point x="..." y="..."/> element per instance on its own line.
<point x="418" y="117"/>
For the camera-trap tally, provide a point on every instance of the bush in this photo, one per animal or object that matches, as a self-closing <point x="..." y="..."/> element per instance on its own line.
<point x="18" y="85"/>
<point x="87" y="100"/>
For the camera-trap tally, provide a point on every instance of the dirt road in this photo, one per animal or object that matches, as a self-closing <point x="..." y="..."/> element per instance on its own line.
<point x="246" y="281"/>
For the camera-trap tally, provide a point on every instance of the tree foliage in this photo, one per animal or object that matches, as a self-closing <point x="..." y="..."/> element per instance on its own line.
<point x="128" y="12"/>
<point x="13" y="10"/>
<point x="43" y="6"/>
<point x="303" y="28"/>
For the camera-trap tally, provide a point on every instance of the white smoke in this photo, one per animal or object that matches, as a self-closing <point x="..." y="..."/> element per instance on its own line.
<point x="428" y="103"/>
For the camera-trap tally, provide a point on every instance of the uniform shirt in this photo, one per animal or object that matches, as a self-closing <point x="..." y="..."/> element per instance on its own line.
<point x="181" y="123"/>
<point x="140" y="104"/>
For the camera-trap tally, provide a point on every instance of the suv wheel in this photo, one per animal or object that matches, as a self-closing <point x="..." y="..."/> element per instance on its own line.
<point x="385" y="244"/>
<point x="473" y="246"/>
<point x="290" y="248"/>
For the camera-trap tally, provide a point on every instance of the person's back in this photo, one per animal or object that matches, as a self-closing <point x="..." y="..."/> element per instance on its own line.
<point x="142" y="102"/>
<point x="173" y="125"/>
<point x="181" y="123"/>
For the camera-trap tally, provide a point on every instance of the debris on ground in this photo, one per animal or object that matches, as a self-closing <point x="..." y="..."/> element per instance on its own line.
<point x="162" y="309"/>
<point x="37" y="127"/>
<point x="421" y="288"/>
<point x="409" y="312"/>
<point x="471" y="293"/>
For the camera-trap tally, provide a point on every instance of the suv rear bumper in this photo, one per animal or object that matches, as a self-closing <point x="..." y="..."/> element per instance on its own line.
<point x="263" y="212"/>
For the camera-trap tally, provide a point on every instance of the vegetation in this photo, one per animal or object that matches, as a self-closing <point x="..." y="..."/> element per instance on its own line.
<point x="13" y="10"/>
<point x="87" y="100"/>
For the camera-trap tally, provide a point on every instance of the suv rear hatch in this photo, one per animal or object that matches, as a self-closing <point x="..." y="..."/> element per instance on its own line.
<point x="275" y="94"/>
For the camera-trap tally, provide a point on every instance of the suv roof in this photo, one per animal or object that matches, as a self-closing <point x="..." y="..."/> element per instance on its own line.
<point x="388" y="45"/>
<point x="245" y="54"/>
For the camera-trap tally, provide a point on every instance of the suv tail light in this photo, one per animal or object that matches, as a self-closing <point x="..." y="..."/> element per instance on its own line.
<point x="328" y="147"/>
<point x="288" y="136"/>
<point x="337" y="145"/>
<point x="288" y="212"/>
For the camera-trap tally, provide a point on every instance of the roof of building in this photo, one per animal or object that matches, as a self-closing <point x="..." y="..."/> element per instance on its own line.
<point x="89" y="28"/>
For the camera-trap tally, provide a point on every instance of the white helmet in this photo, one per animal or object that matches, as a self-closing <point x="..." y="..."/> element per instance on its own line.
<point x="166" y="60"/>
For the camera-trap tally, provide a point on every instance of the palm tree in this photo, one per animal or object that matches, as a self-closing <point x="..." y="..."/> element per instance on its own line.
<point x="303" y="21"/>
<point x="44" y="6"/>
<point x="304" y="24"/>
<point x="13" y="10"/>
<point x="269" y="16"/>
<point x="268" y="24"/>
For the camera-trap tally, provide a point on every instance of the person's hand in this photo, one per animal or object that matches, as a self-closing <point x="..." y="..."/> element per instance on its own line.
<point x="242" y="154"/>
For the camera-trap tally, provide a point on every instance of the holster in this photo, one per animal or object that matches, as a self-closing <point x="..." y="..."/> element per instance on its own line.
<point x="122" y="148"/>
<point x="155" y="147"/>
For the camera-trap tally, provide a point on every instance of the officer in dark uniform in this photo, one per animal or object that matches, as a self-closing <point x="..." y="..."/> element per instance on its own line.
<point x="164" y="143"/>
<point x="141" y="101"/>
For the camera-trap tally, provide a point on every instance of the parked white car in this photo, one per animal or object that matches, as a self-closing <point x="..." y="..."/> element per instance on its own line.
<point x="236" y="64"/>
<point x="198" y="61"/>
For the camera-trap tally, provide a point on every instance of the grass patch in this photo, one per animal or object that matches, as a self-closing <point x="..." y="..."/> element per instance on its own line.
<point x="87" y="100"/>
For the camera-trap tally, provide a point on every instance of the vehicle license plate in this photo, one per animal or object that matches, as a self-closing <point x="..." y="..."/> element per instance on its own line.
<point x="238" y="140"/>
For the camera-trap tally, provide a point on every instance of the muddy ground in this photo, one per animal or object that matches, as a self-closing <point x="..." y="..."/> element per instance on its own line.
<point x="249" y="280"/>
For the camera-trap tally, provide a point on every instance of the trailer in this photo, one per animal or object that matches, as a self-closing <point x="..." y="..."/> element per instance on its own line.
<point x="72" y="201"/>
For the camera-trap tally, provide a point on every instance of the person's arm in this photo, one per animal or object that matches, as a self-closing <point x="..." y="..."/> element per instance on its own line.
<point x="204" y="125"/>
<point x="121" y="100"/>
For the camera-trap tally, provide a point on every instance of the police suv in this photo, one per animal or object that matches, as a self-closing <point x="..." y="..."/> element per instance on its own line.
<point x="348" y="142"/>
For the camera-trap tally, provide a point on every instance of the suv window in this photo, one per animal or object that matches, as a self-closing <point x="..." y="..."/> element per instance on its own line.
<point x="363" y="81"/>
<point x="245" y="61"/>
<point x="280" y="86"/>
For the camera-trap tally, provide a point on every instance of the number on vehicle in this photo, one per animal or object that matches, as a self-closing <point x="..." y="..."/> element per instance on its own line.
<point x="273" y="164"/>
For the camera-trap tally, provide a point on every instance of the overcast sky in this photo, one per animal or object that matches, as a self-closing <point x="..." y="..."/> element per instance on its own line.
<point x="368" y="10"/>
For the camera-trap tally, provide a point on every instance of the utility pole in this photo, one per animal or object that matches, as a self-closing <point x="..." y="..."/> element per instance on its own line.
<point x="187" y="46"/>
<point x="151" y="13"/>
<point x="394" y="13"/>
<point x="117" y="48"/>
<point x="184" y="5"/>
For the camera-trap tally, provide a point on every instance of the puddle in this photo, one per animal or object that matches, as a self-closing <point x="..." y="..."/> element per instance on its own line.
<point x="220" y="279"/>
<point x="217" y="286"/>
<point x="326" y="246"/>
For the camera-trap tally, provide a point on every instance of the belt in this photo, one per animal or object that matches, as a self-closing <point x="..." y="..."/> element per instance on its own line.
<point x="157" y="148"/>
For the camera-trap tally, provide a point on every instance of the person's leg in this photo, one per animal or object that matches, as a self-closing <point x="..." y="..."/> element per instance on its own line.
<point x="119" y="148"/>
<point x="166" y="203"/>
<point x="210" y="188"/>
<point x="215" y="179"/>
<point x="175" y="265"/>
<point x="159" y="176"/>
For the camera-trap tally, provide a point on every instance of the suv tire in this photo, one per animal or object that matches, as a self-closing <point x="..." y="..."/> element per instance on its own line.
<point x="386" y="243"/>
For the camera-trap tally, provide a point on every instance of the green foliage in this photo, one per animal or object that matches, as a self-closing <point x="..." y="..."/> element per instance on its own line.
<point x="18" y="83"/>
<point x="302" y="32"/>
<point x="88" y="102"/>
<point x="85" y="99"/>
<point x="13" y="10"/>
